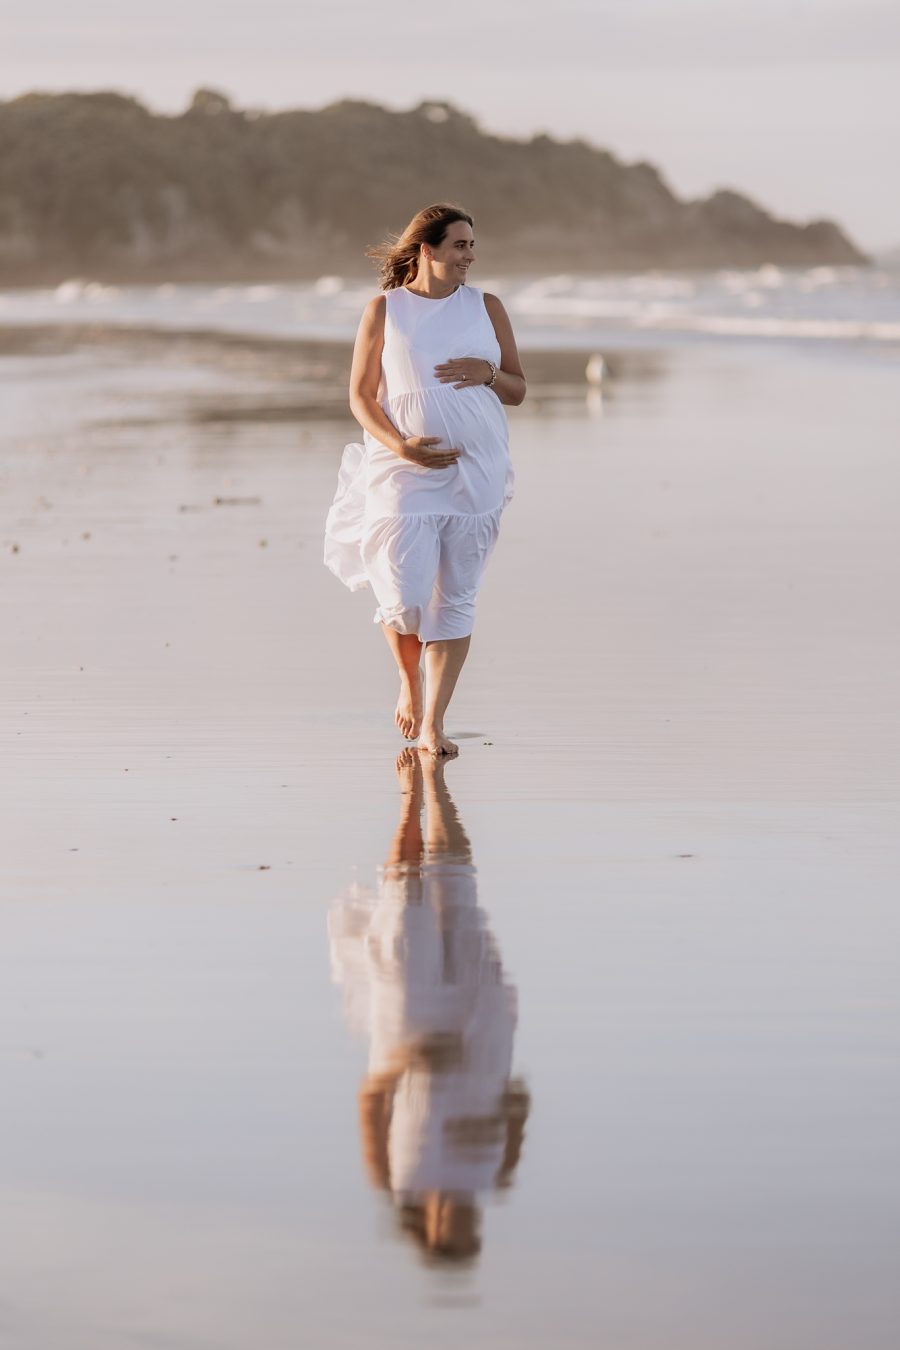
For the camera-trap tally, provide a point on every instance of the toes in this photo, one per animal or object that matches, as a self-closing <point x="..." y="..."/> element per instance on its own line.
<point x="442" y="750"/>
<point x="406" y="723"/>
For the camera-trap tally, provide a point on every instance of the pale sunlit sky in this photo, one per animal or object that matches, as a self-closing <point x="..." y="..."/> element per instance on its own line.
<point x="796" y="103"/>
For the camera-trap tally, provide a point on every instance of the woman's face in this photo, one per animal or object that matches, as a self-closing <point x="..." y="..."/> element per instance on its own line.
<point x="454" y="255"/>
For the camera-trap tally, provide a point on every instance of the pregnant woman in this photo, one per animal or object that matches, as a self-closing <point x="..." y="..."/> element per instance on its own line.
<point x="418" y="506"/>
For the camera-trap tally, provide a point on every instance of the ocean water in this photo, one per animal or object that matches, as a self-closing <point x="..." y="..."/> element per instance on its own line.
<point x="818" y="304"/>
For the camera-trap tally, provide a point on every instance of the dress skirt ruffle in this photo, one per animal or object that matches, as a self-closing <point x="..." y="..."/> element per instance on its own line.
<point x="344" y="522"/>
<point x="347" y="523"/>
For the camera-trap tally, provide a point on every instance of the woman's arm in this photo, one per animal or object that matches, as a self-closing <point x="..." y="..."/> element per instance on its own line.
<point x="365" y="377"/>
<point x="509" y="386"/>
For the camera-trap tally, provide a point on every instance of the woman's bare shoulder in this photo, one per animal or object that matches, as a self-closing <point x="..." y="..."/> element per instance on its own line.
<point x="497" y="314"/>
<point x="372" y="320"/>
<point x="492" y="303"/>
<point x="375" y="307"/>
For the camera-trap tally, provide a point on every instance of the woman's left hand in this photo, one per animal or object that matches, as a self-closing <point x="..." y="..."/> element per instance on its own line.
<point x="464" y="371"/>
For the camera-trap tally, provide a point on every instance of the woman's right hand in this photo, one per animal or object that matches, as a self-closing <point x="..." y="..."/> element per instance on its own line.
<point x="418" y="450"/>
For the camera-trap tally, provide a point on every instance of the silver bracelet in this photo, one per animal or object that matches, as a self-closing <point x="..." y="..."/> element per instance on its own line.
<point x="494" y="369"/>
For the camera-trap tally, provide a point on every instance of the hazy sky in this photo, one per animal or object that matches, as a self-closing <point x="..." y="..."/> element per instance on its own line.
<point x="795" y="102"/>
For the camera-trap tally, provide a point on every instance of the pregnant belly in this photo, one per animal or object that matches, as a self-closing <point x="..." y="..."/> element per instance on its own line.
<point x="465" y="418"/>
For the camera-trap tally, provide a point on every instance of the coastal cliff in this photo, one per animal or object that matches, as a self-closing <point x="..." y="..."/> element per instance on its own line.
<point x="97" y="185"/>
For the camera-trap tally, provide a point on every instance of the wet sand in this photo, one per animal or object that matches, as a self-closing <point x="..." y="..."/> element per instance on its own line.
<point x="679" y="777"/>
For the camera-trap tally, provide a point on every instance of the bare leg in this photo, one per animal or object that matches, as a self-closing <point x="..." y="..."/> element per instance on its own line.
<point x="407" y="650"/>
<point x="443" y="662"/>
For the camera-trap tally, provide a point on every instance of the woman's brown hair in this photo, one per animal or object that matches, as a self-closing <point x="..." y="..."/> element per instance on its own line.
<point x="398" y="256"/>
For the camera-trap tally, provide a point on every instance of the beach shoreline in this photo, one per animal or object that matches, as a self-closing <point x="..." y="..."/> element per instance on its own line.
<point x="680" y="774"/>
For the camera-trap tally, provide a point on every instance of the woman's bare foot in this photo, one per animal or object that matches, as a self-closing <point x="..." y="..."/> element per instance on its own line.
<point x="409" y="705"/>
<point x="433" y="742"/>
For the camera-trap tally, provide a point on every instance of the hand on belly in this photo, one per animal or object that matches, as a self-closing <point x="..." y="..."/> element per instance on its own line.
<point x="429" y="452"/>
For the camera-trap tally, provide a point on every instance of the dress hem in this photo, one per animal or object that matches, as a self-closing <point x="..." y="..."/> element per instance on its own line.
<point x="428" y="515"/>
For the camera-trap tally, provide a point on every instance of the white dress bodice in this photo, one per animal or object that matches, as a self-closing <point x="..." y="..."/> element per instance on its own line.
<point x="418" y="335"/>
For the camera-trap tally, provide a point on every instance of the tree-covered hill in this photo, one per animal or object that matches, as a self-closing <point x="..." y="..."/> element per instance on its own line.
<point x="97" y="185"/>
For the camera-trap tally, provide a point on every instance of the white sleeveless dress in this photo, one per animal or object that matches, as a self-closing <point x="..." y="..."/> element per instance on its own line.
<point x="422" y="537"/>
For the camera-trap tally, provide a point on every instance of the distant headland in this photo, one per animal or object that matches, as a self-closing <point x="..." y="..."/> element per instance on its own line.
<point x="97" y="185"/>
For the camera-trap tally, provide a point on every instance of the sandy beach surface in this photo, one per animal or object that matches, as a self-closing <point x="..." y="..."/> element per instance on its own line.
<point x="679" y="776"/>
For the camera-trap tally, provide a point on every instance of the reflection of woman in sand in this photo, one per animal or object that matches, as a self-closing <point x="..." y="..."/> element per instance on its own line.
<point x="441" y="1119"/>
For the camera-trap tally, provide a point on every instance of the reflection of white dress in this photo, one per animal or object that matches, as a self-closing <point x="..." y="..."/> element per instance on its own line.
<point x="417" y="960"/>
<point x="422" y="536"/>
